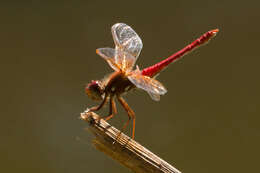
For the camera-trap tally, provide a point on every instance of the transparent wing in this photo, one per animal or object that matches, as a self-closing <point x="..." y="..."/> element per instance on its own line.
<point x="108" y="54"/>
<point x="155" y="97"/>
<point x="126" y="39"/>
<point x="150" y="85"/>
<point x="125" y="61"/>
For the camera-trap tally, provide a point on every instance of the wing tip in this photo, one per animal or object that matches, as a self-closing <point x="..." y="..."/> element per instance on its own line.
<point x="97" y="51"/>
<point x="116" y="25"/>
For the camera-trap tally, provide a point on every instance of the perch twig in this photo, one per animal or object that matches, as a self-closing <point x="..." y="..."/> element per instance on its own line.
<point x="123" y="149"/>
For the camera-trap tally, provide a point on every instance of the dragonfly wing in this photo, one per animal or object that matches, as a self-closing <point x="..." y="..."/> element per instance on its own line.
<point x="155" y="97"/>
<point x="124" y="60"/>
<point x="108" y="54"/>
<point x="150" y="85"/>
<point x="126" y="40"/>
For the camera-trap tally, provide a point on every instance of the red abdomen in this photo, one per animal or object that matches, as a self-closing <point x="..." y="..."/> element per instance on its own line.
<point x="155" y="69"/>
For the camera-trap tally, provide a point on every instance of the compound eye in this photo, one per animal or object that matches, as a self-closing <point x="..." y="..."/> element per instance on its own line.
<point x="94" y="91"/>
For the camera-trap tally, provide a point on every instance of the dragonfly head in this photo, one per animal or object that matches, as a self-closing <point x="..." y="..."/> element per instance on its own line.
<point x="94" y="90"/>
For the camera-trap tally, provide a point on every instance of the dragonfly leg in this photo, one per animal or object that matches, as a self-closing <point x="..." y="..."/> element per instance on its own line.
<point x="96" y="108"/>
<point x="130" y="114"/>
<point x="112" y="109"/>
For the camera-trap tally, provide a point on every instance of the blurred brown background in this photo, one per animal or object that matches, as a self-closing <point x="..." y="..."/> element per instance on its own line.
<point x="207" y="122"/>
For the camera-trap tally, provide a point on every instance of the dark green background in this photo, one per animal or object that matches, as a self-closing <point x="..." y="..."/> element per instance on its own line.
<point x="208" y="122"/>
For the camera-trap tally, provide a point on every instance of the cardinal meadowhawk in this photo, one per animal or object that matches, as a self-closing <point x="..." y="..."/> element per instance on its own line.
<point x="121" y="59"/>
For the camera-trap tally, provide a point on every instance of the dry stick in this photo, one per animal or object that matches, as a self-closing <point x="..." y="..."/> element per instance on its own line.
<point x="123" y="149"/>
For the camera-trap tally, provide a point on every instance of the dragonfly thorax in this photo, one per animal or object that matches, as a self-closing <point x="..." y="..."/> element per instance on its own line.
<point x="117" y="84"/>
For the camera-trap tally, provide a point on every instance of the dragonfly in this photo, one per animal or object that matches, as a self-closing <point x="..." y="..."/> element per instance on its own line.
<point x="125" y="77"/>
